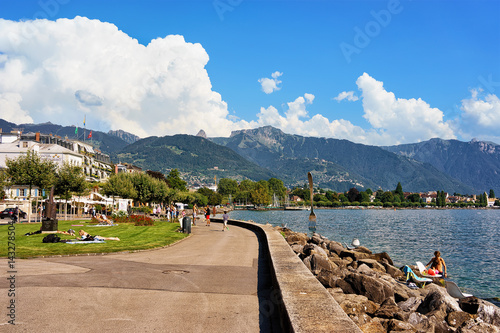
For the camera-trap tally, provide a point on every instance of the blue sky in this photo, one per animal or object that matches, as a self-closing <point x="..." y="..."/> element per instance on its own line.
<point x="412" y="70"/>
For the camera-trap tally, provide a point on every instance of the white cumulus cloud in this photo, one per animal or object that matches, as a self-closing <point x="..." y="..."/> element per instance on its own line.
<point x="349" y="95"/>
<point x="404" y="120"/>
<point x="270" y="85"/>
<point x="481" y="114"/>
<point x="60" y="70"/>
<point x="483" y="111"/>
<point x="393" y="120"/>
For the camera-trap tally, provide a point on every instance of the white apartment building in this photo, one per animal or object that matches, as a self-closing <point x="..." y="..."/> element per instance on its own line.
<point x="96" y="165"/>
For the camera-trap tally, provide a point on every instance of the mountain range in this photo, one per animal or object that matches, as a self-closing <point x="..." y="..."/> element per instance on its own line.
<point x="450" y="165"/>
<point x="475" y="163"/>
<point x="337" y="164"/>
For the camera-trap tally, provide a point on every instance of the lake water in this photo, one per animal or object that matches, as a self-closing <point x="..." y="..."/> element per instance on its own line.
<point x="468" y="239"/>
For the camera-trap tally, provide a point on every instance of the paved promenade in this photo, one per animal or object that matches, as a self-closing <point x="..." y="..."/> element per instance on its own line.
<point x="213" y="281"/>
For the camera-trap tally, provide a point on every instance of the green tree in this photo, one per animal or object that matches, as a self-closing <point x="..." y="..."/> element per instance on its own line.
<point x="119" y="185"/>
<point x="160" y="191"/>
<point x="492" y="194"/>
<point x="31" y="170"/>
<point x="143" y="186"/>
<point x="414" y="197"/>
<point x="302" y="193"/>
<point x="227" y="186"/>
<point x="246" y="185"/>
<point x="3" y="183"/>
<point x="260" y="194"/>
<point x="343" y="198"/>
<point x="205" y="191"/>
<point x="332" y="196"/>
<point x="387" y="197"/>
<point x="277" y="187"/>
<point x="215" y="199"/>
<point x="399" y="192"/>
<point x="353" y="194"/>
<point x="174" y="181"/>
<point x="70" y="179"/>
<point x="363" y="197"/>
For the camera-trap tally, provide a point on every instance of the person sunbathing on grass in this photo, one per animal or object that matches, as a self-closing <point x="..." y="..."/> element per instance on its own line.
<point x="85" y="236"/>
<point x="102" y="219"/>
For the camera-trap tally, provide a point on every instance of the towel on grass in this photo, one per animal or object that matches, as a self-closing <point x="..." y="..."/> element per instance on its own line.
<point x="85" y="242"/>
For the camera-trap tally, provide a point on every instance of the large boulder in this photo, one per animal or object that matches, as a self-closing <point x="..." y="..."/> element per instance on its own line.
<point x="389" y="310"/>
<point x="297" y="238"/>
<point x="396" y="325"/>
<point x="310" y="249"/>
<point x="457" y="318"/>
<point x="335" y="247"/>
<point x="364" y="269"/>
<point x="477" y="326"/>
<point x="410" y="305"/>
<point x="373" y="264"/>
<point x="316" y="239"/>
<point x="392" y="271"/>
<point x="353" y="304"/>
<point x="362" y="249"/>
<point x="376" y="290"/>
<point x="321" y="263"/>
<point x="486" y="311"/>
<point x="381" y="256"/>
<point x="298" y="249"/>
<point x="437" y="299"/>
<point x="374" y="326"/>
<point x="421" y="322"/>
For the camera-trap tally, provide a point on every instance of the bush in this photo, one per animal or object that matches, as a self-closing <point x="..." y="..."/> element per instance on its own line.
<point x="141" y="220"/>
<point x="143" y="209"/>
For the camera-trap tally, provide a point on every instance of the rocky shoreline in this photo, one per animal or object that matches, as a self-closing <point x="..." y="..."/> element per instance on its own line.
<point x="375" y="295"/>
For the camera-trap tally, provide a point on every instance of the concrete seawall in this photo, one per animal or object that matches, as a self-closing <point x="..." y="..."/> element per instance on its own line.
<point x="306" y="306"/>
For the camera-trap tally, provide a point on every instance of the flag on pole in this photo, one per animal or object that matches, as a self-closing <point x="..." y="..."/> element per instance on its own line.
<point x="84" y="120"/>
<point x="90" y="135"/>
<point x="76" y="130"/>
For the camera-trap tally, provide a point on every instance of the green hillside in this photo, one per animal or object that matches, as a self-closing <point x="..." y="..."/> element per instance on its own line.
<point x="197" y="159"/>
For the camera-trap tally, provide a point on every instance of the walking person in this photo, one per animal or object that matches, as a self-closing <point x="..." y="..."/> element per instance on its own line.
<point x="225" y="217"/>
<point x="195" y="211"/>
<point x="207" y="215"/>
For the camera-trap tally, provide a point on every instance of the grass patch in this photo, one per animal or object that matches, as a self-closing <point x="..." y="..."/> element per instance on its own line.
<point x="131" y="238"/>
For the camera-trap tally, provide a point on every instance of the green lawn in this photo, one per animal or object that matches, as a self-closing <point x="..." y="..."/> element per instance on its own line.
<point x="131" y="238"/>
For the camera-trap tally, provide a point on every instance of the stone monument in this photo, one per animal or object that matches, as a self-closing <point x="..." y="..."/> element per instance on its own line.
<point x="49" y="221"/>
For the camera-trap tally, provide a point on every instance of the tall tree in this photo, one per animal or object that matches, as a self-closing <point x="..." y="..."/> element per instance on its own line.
<point x="70" y="179"/>
<point x="277" y="187"/>
<point x="227" y="186"/>
<point x="492" y="194"/>
<point x="174" y="181"/>
<point x="31" y="170"/>
<point x="119" y="185"/>
<point x="260" y="193"/>
<point x="143" y="185"/>
<point x="399" y="191"/>
<point x="353" y="194"/>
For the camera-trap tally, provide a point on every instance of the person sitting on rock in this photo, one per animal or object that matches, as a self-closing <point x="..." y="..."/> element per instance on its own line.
<point x="438" y="263"/>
